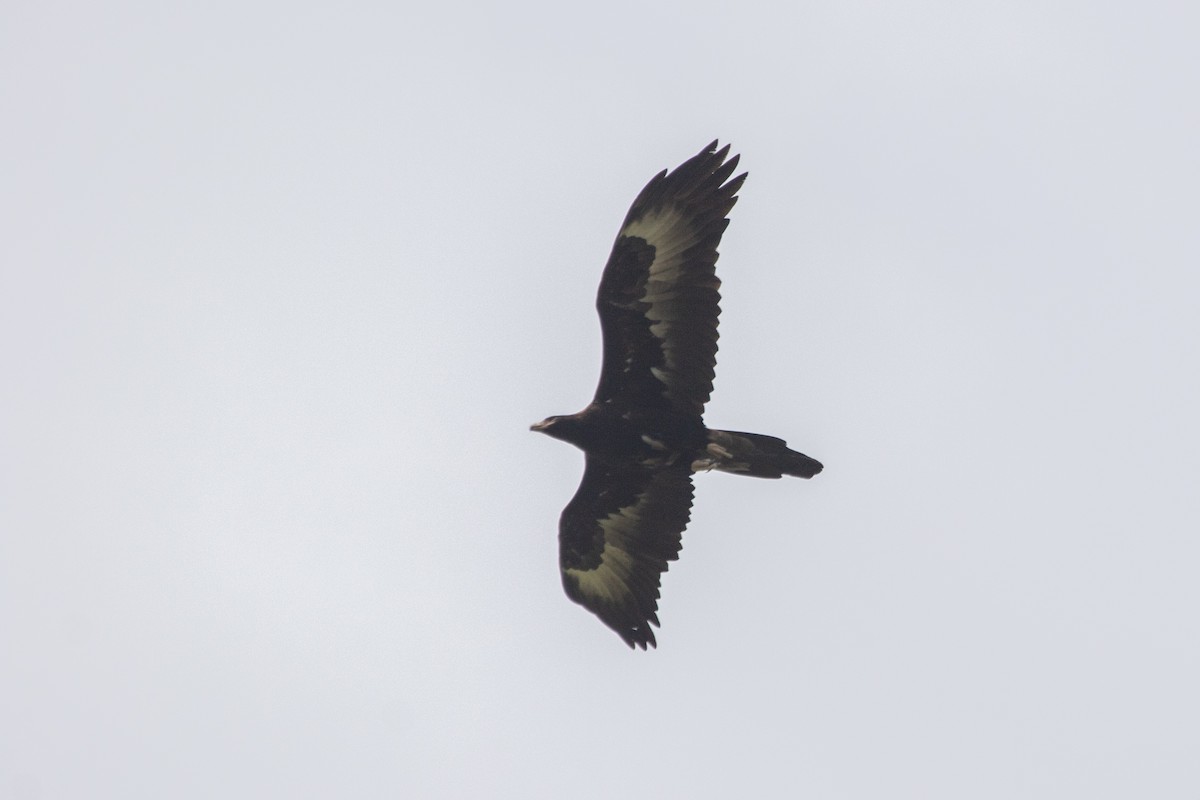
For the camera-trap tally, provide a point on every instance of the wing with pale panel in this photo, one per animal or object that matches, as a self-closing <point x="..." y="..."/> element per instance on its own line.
<point x="615" y="539"/>
<point x="659" y="296"/>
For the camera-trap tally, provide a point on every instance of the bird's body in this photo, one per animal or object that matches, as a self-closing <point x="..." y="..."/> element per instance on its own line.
<point x="619" y="436"/>
<point x="644" y="433"/>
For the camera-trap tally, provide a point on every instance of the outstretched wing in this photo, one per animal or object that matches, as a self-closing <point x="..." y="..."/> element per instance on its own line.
<point x="615" y="539"/>
<point x="659" y="298"/>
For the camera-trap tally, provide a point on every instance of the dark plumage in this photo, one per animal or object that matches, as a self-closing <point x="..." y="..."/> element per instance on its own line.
<point x="644" y="432"/>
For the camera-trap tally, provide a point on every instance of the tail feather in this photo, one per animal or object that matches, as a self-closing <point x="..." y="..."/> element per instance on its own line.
<point x="756" y="455"/>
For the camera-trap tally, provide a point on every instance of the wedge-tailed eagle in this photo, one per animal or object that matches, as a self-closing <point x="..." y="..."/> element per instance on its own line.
<point x="643" y="433"/>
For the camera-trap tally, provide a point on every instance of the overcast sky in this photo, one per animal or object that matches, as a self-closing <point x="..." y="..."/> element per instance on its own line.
<point x="285" y="285"/>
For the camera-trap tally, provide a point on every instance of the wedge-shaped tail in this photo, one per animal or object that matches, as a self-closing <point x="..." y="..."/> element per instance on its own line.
<point x="756" y="455"/>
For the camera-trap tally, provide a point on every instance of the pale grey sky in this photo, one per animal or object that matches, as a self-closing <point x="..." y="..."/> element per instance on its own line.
<point x="284" y="286"/>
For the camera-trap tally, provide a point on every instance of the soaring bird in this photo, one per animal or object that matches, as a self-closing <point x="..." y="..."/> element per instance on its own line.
<point x="643" y="433"/>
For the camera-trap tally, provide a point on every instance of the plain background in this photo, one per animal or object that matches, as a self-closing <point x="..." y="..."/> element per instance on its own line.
<point x="285" y="284"/>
